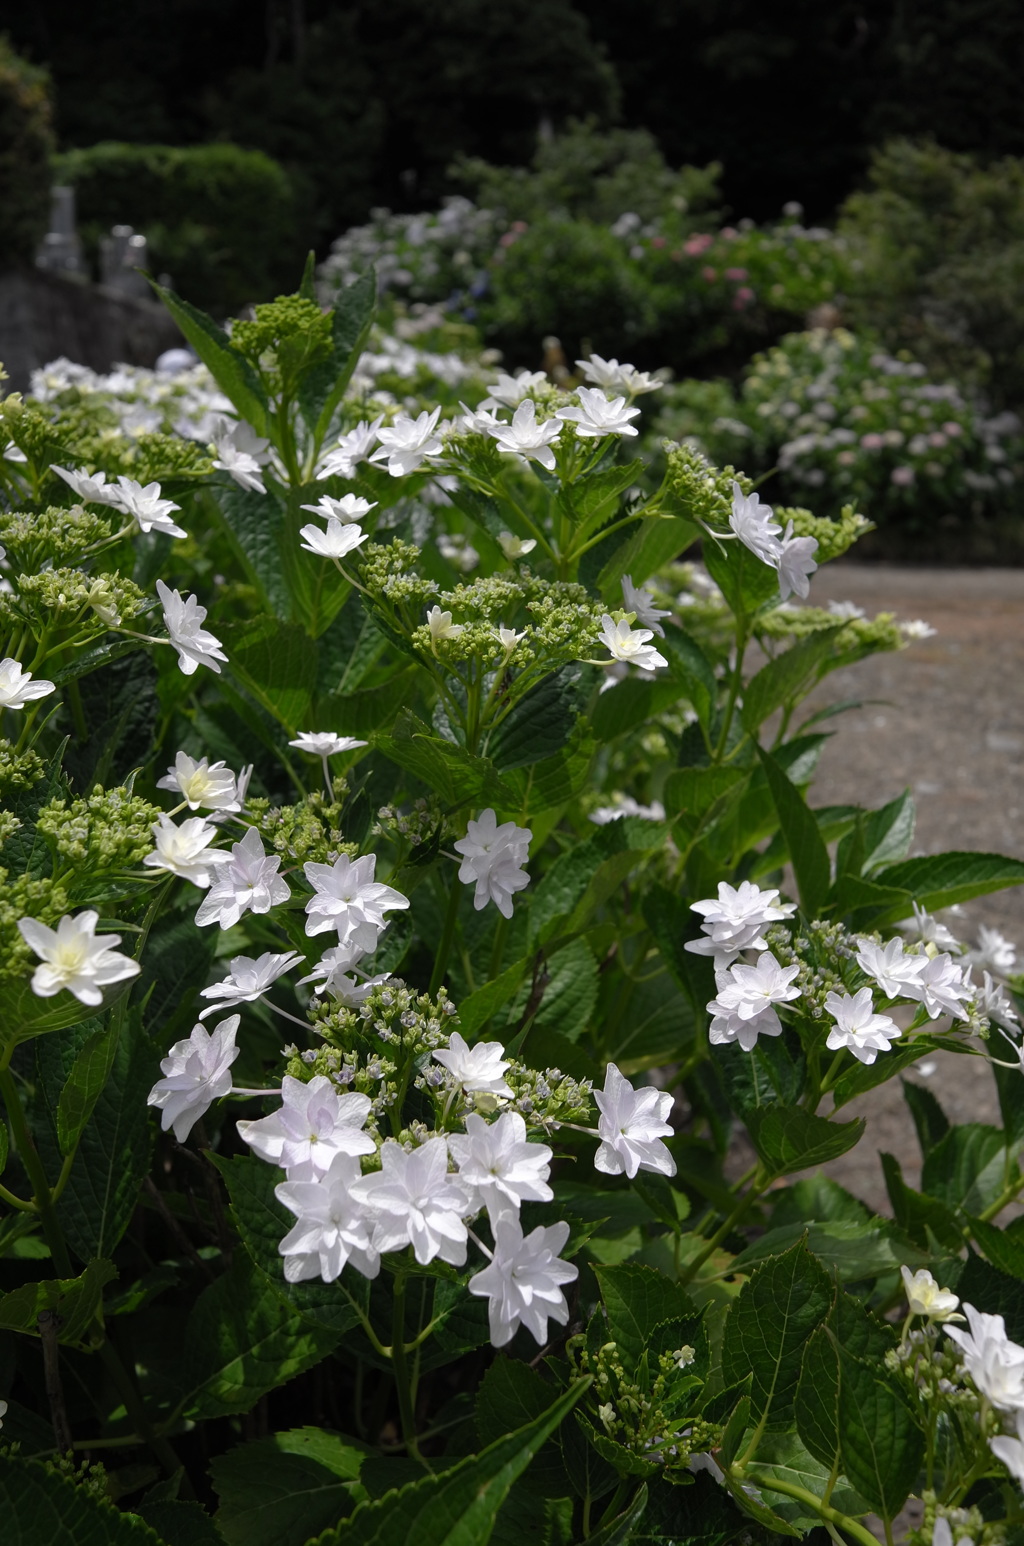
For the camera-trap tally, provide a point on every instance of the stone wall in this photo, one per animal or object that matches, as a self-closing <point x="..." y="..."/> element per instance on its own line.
<point x="45" y="315"/>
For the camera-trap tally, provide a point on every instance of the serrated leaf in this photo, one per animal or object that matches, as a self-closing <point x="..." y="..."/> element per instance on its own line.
<point x="457" y="1507"/>
<point x="255" y="525"/>
<point x="477" y="1008"/>
<point x="888" y="832"/>
<point x="880" y="1445"/>
<point x="283" y="1490"/>
<point x="276" y="663"/>
<point x="768" y="1327"/>
<point x="231" y="370"/>
<point x="41" y="1508"/>
<point x="692" y="792"/>
<point x="180" y="1523"/>
<point x="629" y="703"/>
<point x="241" y="1341"/>
<point x="1004" y="1251"/>
<point x="543" y="721"/>
<point x="689" y="666"/>
<point x="919" y="1216"/>
<point x="99" y="1198"/>
<point x="787" y="1138"/>
<point x="354" y="308"/>
<point x="512" y="1395"/>
<point x="807" y="850"/>
<point x="786" y="677"/>
<point x="745" y="582"/>
<point x="656" y="541"/>
<point x="930" y="1121"/>
<point x="940" y="880"/>
<point x="89" y="1073"/>
<point x="967" y="1167"/>
<point x="74" y="1300"/>
<point x="452" y="772"/>
<point x="637" y="1299"/>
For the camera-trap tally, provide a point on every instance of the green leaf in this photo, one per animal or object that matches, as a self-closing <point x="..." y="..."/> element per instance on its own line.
<point x="918" y="1216"/>
<point x="114" y="1150"/>
<point x="570" y="991"/>
<point x="967" y="1168"/>
<point x="240" y="1341"/>
<point x="782" y="1457"/>
<point x="656" y="541"/>
<point x="787" y="1138"/>
<point x="880" y="1445"/>
<point x="980" y="1283"/>
<point x="354" y="309"/>
<point x="361" y="713"/>
<point x="5" y="1146"/>
<point x="693" y="792"/>
<point x="768" y="1327"/>
<point x="816" y="1406"/>
<point x="582" y="879"/>
<point x="276" y="663"/>
<point x="930" y="1120"/>
<point x="745" y="582"/>
<point x="852" y="1251"/>
<point x="74" y="1300"/>
<point x="41" y="1508"/>
<point x="231" y="370"/>
<point x="940" y="880"/>
<point x="255" y="525"/>
<point x="591" y="500"/>
<point x="479" y="1007"/>
<point x="689" y="666"/>
<point x="637" y="1299"/>
<point x="807" y="851"/>
<point x="888" y="832"/>
<point x="787" y="677"/>
<point x="179" y="1523"/>
<point x="621" y="1529"/>
<point x="543" y="721"/>
<point x="861" y="1077"/>
<point x="89" y="1073"/>
<point x="283" y="1490"/>
<point x="629" y="703"/>
<point x="511" y="1395"/>
<point x="456" y="1507"/>
<point x="452" y="772"/>
<point x="1003" y="1250"/>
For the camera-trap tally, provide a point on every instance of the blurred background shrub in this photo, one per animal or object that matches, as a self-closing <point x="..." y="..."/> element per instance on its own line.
<point x="26" y="148"/>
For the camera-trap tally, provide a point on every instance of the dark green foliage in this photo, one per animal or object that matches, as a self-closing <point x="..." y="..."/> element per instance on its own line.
<point x="222" y="220"/>
<point x="26" y="144"/>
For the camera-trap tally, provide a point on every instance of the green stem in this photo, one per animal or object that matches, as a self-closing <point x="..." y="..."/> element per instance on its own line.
<point x="824" y="1511"/>
<point x="444" y="950"/>
<point x="735" y="683"/>
<point x="29" y="1157"/>
<point x="403" y="1390"/>
<point x="1003" y="1200"/>
<point x="759" y="1185"/>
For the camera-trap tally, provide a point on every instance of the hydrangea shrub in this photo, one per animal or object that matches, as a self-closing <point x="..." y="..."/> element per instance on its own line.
<point x="334" y="701"/>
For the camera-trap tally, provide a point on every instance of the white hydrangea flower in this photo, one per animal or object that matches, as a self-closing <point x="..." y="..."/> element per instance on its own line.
<point x="196" y="1073"/>
<point x="631" y="1126"/>
<point x="324" y="743"/>
<point x="894" y="969"/>
<point x="144" y="505"/>
<point x="183" y="619"/>
<point x="498" y="1167"/>
<point x="925" y="1297"/>
<point x="632" y="647"/>
<point x="331" y="1230"/>
<point x="185" y="850"/>
<point x="247" y="980"/>
<point x="352" y="448"/>
<point x="493" y="859"/>
<point x="941" y="987"/>
<point x="745" y="1004"/>
<point x="314" y="1122"/>
<point x="1010" y="1451"/>
<point x="626" y="805"/>
<point x="347" y="898"/>
<point x="478" y="1069"/>
<point x="441" y="626"/>
<point x="993" y="1361"/>
<point x="510" y="391"/>
<point x="525" y="437"/>
<point x="929" y="930"/>
<point x="515" y="547"/>
<point x="991" y="999"/>
<point x="408" y="442"/>
<point x="597" y="416"/>
<point x="994" y="952"/>
<point x="796" y="563"/>
<point x="414" y="1201"/>
<point x="242" y="453"/>
<point x="754" y="525"/>
<point x="339" y="539"/>
<point x="524" y="1279"/>
<point x="202" y="783"/>
<point x="249" y="883"/>
<point x="348" y="509"/>
<point x="74" y="958"/>
<point x="857" y="1027"/>
<point x="91" y="488"/>
<point x="638" y="600"/>
<point x="613" y="377"/>
<point x="736" y="920"/>
<point x="18" y="687"/>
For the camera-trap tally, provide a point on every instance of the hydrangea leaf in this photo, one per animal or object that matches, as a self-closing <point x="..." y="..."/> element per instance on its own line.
<point x="768" y="1327"/>
<point x="282" y="1490"/>
<point x="37" y="1505"/>
<point x="787" y="677"/>
<point x="232" y="372"/>
<point x="458" y="1507"/>
<point x="807" y="849"/>
<point x="73" y="1300"/>
<point x="637" y="1299"/>
<point x="787" y="1138"/>
<point x="89" y="1073"/>
<point x="941" y="880"/>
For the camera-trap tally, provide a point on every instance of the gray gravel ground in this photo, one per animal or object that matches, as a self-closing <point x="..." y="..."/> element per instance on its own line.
<point x="949" y="724"/>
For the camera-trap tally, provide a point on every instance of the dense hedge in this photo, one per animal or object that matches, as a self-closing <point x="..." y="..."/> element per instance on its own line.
<point x="220" y="220"/>
<point x="26" y="144"/>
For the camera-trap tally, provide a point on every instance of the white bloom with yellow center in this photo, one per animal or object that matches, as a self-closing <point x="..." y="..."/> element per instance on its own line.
<point x="73" y="958"/>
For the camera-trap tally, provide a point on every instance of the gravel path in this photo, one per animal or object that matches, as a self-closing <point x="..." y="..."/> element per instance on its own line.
<point x="949" y="723"/>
